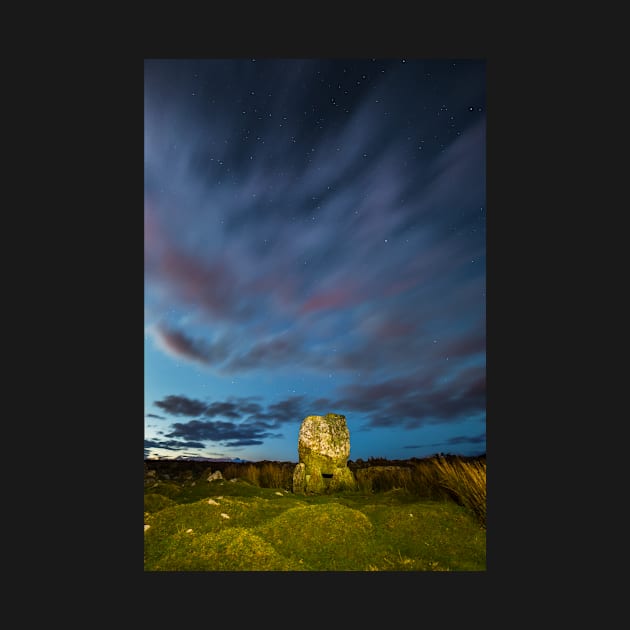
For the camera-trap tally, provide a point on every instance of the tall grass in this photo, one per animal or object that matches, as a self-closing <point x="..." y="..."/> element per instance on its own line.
<point x="466" y="481"/>
<point x="263" y="474"/>
<point x="382" y="478"/>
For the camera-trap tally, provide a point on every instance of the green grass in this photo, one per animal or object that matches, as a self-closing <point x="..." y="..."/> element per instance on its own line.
<point x="272" y="529"/>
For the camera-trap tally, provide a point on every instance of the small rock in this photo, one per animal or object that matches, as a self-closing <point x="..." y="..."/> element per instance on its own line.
<point x="224" y="515"/>
<point x="280" y="494"/>
<point x="189" y="531"/>
<point x="212" y="502"/>
<point x="146" y="527"/>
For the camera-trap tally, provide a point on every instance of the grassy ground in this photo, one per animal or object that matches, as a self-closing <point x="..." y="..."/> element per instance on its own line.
<point x="236" y="525"/>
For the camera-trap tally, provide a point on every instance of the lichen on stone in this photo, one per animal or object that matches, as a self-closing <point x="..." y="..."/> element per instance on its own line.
<point x="323" y="451"/>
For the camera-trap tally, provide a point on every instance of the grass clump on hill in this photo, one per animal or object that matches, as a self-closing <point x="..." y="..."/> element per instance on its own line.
<point x="340" y="537"/>
<point x="156" y="502"/>
<point x="236" y="549"/>
<point x="466" y="482"/>
<point x="426" y="536"/>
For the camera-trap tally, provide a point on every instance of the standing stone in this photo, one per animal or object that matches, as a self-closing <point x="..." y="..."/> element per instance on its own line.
<point x="323" y="450"/>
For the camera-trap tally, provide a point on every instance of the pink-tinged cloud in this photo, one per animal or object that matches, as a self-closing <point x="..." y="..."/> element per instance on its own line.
<point x="152" y="237"/>
<point x="477" y="388"/>
<point x="181" y="346"/>
<point x="393" y="388"/>
<point x="154" y="242"/>
<point x="392" y="329"/>
<point x="207" y="284"/>
<point x="401" y="286"/>
<point x="279" y="351"/>
<point x="471" y="381"/>
<point x="471" y="344"/>
<point x="278" y="285"/>
<point x="196" y="278"/>
<point x="335" y="298"/>
<point x="211" y="286"/>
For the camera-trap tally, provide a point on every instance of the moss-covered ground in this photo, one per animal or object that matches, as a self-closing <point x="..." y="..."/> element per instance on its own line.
<point x="237" y="526"/>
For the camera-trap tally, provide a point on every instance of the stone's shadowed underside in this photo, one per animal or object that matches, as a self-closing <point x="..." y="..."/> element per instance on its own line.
<point x="323" y="451"/>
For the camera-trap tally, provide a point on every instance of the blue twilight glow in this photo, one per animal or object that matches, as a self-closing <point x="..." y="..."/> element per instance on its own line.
<point x="314" y="242"/>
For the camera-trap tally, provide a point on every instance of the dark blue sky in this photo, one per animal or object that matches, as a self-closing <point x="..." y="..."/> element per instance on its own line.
<point x="314" y="242"/>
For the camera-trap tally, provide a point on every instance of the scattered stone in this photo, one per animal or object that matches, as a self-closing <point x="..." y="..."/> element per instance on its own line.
<point x="212" y="502"/>
<point x="280" y="494"/>
<point x="233" y="480"/>
<point x="216" y="475"/>
<point x="323" y="450"/>
<point x="146" y="527"/>
<point x="224" y="515"/>
<point x="219" y="498"/>
<point x="189" y="531"/>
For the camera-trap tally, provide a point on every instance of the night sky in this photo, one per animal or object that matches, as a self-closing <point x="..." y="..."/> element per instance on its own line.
<point x="314" y="242"/>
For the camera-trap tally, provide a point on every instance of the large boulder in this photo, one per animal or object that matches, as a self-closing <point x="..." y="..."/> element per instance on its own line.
<point x="323" y="451"/>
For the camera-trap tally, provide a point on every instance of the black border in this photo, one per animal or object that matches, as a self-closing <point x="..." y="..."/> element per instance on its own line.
<point x="110" y="133"/>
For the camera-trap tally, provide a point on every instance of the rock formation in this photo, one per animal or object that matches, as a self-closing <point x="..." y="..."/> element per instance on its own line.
<point x="323" y="451"/>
